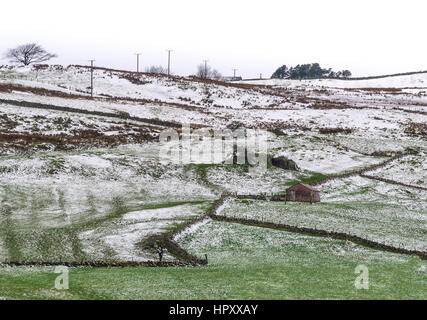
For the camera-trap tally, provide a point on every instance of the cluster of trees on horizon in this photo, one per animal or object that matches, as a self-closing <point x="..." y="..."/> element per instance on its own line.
<point x="308" y="71"/>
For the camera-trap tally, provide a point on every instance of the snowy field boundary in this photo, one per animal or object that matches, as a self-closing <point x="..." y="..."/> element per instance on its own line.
<point x="411" y="111"/>
<point x="35" y="105"/>
<point x="166" y="240"/>
<point x="192" y="225"/>
<point x="316" y="232"/>
<point x="95" y="264"/>
<point x="359" y="171"/>
<point x="393" y="182"/>
<point x="169" y="239"/>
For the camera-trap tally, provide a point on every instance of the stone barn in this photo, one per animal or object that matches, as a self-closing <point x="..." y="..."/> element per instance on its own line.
<point x="303" y="193"/>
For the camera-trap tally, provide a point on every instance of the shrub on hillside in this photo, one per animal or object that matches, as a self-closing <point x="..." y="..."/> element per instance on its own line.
<point x="335" y="130"/>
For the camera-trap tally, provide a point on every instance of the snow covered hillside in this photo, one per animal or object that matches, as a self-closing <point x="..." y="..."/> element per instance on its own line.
<point x="309" y="105"/>
<point x="84" y="173"/>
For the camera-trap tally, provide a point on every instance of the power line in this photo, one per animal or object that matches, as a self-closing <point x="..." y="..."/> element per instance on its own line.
<point x="169" y="61"/>
<point x="91" y="77"/>
<point x="137" y="61"/>
<point x="206" y="68"/>
<point x="234" y="74"/>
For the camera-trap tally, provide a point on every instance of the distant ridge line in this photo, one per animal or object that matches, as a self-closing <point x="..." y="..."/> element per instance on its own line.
<point x="354" y="78"/>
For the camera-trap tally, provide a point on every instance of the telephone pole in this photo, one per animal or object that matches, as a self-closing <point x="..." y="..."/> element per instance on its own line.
<point x="234" y="74"/>
<point x="206" y="68"/>
<point x="169" y="61"/>
<point x="91" y="77"/>
<point x="137" y="61"/>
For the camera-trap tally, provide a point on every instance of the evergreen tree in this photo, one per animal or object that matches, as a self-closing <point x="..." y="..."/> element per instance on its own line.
<point x="346" y="73"/>
<point x="281" y="73"/>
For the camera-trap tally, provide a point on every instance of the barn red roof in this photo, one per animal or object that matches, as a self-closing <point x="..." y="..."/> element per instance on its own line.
<point x="307" y="186"/>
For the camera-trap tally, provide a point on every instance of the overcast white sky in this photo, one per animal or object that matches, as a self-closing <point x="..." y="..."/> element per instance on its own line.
<point x="367" y="37"/>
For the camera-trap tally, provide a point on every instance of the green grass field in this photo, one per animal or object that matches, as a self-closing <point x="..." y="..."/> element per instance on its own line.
<point x="244" y="263"/>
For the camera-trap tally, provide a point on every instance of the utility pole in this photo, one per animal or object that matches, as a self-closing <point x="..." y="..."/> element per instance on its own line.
<point x="169" y="61"/>
<point x="234" y="74"/>
<point x="137" y="61"/>
<point x="91" y="77"/>
<point x="206" y="68"/>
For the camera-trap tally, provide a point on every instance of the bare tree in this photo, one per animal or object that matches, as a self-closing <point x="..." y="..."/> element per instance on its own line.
<point x="215" y="74"/>
<point x="156" y="69"/>
<point x="159" y="249"/>
<point x="29" y="53"/>
<point x="205" y="71"/>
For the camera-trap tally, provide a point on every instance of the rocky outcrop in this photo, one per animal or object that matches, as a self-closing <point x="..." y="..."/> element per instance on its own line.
<point x="285" y="163"/>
